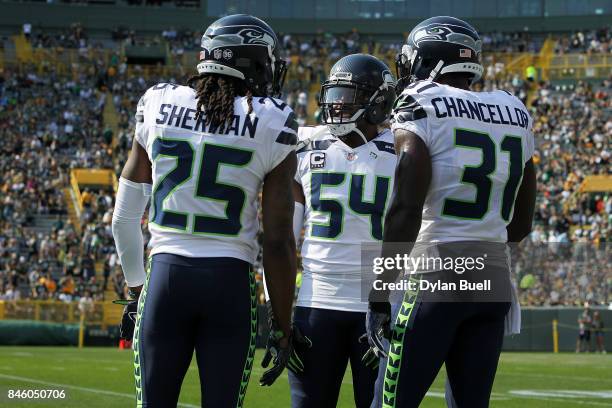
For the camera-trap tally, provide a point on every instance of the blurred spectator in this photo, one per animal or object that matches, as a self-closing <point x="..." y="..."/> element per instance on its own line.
<point x="584" y="331"/>
<point x="27" y="30"/>
<point x="591" y="41"/>
<point x="598" y="331"/>
<point x="86" y="304"/>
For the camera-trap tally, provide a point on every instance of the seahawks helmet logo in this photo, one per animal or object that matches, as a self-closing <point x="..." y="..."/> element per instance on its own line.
<point x="256" y="37"/>
<point x="447" y="34"/>
<point x="430" y="33"/>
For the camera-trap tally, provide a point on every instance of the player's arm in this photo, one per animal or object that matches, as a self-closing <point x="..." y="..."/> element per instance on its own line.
<point x="412" y="179"/>
<point x="298" y="222"/>
<point x="279" y="261"/>
<point x="279" y="256"/>
<point x="132" y="198"/>
<point x="130" y="203"/>
<point x="402" y="224"/>
<point x="524" y="206"/>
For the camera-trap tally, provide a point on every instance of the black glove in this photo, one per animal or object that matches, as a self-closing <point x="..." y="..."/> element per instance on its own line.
<point x="300" y="343"/>
<point x="128" y="320"/>
<point x="282" y="353"/>
<point x="378" y="322"/>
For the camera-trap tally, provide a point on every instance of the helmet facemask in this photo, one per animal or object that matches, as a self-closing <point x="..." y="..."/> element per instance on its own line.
<point x="343" y="105"/>
<point x="404" y="67"/>
<point x="279" y="72"/>
<point x="358" y="93"/>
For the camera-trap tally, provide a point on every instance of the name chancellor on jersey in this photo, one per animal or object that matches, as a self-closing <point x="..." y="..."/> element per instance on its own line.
<point x="487" y="113"/>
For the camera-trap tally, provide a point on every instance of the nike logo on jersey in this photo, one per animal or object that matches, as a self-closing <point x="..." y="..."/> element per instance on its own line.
<point x="483" y="112"/>
<point x="181" y="117"/>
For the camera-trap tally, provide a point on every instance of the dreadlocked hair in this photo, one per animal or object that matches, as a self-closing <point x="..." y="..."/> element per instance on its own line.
<point x="216" y="95"/>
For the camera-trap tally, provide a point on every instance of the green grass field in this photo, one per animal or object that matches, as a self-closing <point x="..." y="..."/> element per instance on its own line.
<point x="102" y="377"/>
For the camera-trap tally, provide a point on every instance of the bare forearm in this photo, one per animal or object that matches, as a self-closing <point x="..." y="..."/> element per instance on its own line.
<point x="279" y="261"/>
<point x="279" y="244"/>
<point x="403" y="220"/>
<point x="517" y="233"/>
<point x="401" y="230"/>
<point x="402" y="224"/>
<point x="524" y="206"/>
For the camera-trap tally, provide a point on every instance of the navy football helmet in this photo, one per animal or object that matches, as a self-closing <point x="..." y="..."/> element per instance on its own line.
<point x="359" y="86"/>
<point x="436" y="46"/>
<point x="244" y="47"/>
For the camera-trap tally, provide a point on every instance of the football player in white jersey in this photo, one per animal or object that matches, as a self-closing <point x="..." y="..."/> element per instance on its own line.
<point x="342" y="186"/>
<point x="464" y="176"/>
<point x="201" y="154"/>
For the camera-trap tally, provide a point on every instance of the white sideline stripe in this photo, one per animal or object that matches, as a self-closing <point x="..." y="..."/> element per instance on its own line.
<point x="431" y="393"/>
<point x="563" y="401"/>
<point x="521" y="394"/>
<point x="84" y="389"/>
<point x="565" y="393"/>
<point x="561" y="377"/>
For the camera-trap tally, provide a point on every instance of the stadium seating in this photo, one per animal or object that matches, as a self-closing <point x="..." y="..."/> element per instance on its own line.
<point x="67" y="102"/>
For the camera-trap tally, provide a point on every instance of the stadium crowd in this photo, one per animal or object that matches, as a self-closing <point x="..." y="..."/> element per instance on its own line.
<point x="50" y="123"/>
<point x="593" y="41"/>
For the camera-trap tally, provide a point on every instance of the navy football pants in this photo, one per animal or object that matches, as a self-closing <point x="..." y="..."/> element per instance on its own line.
<point x="335" y="342"/>
<point x="466" y="336"/>
<point x="202" y="304"/>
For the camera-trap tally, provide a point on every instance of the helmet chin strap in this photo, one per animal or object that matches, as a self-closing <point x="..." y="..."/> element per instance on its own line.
<point x="346" y="131"/>
<point x="340" y="130"/>
<point x="434" y="72"/>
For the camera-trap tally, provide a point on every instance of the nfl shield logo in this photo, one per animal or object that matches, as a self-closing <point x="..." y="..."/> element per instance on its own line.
<point x="351" y="156"/>
<point x="217" y="54"/>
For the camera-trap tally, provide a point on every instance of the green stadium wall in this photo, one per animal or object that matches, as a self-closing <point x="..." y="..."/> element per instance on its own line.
<point x="536" y="333"/>
<point x="537" y="330"/>
<point x="32" y="333"/>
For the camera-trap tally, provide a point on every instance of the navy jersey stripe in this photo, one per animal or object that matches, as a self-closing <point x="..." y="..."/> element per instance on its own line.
<point x="426" y="87"/>
<point x="384" y="146"/>
<point x="317" y="145"/>
<point x="287" y="138"/>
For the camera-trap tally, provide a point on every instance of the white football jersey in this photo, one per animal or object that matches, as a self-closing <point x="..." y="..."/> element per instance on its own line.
<point x="479" y="143"/>
<point x="206" y="179"/>
<point x="346" y="193"/>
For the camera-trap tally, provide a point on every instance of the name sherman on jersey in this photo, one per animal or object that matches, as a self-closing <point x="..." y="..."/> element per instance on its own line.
<point x="206" y="180"/>
<point x="479" y="143"/>
<point x="182" y="117"/>
<point x="346" y="195"/>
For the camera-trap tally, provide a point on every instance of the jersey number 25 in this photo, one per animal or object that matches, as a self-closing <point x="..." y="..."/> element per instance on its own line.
<point x="207" y="186"/>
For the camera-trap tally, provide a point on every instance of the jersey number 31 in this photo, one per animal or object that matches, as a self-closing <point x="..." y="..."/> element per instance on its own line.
<point x="479" y="176"/>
